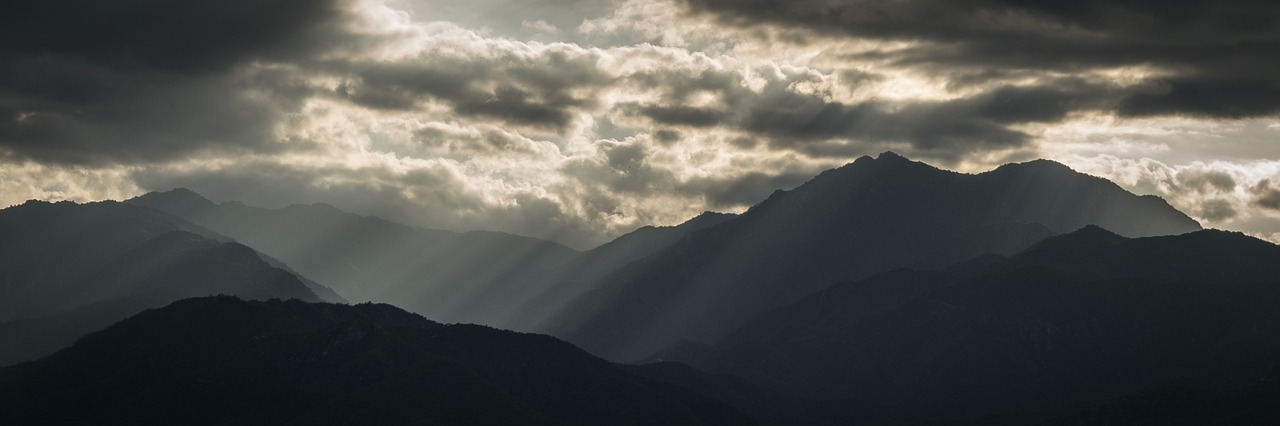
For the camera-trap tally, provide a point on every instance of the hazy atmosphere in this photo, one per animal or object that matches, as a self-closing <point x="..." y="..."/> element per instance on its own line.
<point x="580" y="120"/>
<point x="640" y="212"/>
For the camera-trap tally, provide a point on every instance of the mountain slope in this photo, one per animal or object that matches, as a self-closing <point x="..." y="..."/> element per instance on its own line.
<point x="771" y="407"/>
<point x="1189" y="402"/>
<point x="454" y="277"/>
<point x="1077" y="319"/>
<point x="221" y="360"/>
<point x="873" y="215"/>
<point x="560" y="285"/>
<point x="600" y="261"/>
<point x="67" y="269"/>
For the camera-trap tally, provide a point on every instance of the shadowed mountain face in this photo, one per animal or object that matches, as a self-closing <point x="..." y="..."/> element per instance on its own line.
<point x="455" y="277"/>
<point x="769" y="406"/>
<point x="561" y="285"/>
<point x="600" y="261"/>
<point x="1077" y="319"/>
<point x="67" y="269"/>
<point x="870" y="216"/>
<point x="221" y="360"/>
<point x="1189" y="402"/>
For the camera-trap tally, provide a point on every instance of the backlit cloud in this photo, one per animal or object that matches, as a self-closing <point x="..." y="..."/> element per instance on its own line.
<point x="578" y="120"/>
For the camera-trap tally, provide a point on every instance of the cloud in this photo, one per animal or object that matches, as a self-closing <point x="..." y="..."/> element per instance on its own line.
<point x="621" y="168"/>
<point x="542" y="87"/>
<point x="745" y="190"/>
<point x="797" y="108"/>
<point x="579" y="120"/>
<point x="526" y="19"/>
<point x="1212" y="58"/>
<point x="29" y="180"/>
<point x="1216" y="210"/>
<point x="1203" y="180"/>
<point x="88" y="82"/>
<point x="1230" y="195"/>
<point x="1266" y="195"/>
<point x="439" y="193"/>
<point x="157" y="35"/>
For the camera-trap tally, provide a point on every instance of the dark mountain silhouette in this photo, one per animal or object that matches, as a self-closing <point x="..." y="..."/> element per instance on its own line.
<point x="220" y="360"/>
<point x="456" y="277"/>
<point x="871" y="216"/>
<point x="771" y="407"/>
<point x="67" y="269"/>
<point x="1075" y="320"/>
<point x="1189" y="402"/>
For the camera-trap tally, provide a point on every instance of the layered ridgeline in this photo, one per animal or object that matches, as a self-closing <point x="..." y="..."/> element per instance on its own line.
<point x="559" y="286"/>
<point x="67" y="269"/>
<point x="1076" y="320"/>
<point x="221" y="360"/>
<point x="475" y="277"/>
<point x="870" y="216"/>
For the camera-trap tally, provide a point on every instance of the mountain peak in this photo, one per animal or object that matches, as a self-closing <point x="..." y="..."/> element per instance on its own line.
<point x="890" y="155"/>
<point x="1088" y="236"/>
<point x="317" y="206"/>
<point x="1095" y="231"/>
<point x="1039" y="165"/>
<point x="885" y="161"/>
<point x="179" y="201"/>
<point x="183" y="194"/>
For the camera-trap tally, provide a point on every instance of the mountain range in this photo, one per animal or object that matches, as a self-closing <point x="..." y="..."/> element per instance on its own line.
<point x="67" y="269"/>
<point x="450" y="276"/>
<point x="870" y="216"/>
<point x="885" y="291"/>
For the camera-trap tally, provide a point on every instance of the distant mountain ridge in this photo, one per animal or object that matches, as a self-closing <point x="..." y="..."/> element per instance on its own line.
<point x="633" y="246"/>
<point x="451" y="276"/>
<point x="67" y="269"/>
<point x="870" y="216"/>
<point x="1076" y="319"/>
<point x="561" y="284"/>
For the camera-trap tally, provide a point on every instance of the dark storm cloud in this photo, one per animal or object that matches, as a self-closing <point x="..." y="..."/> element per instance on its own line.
<point x="541" y="91"/>
<point x="951" y="126"/>
<point x="1226" y="97"/>
<point x="157" y="119"/>
<point x="680" y="115"/>
<point x="1203" y="180"/>
<point x="142" y="80"/>
<point x="667" y="136"/>
<point x="1221" y="53"/>
<point x="1266" y="195"/>
<point x="1215" y="210"/>
<point x="810" y="122"/>
<point x="194" y="37"/>
<point x="745" y="190"/>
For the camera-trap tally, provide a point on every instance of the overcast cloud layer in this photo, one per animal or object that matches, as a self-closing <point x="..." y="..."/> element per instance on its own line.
<point x="578" y="120"/>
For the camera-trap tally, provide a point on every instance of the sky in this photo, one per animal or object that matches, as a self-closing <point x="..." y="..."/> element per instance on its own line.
<point x="580" y="120"/>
